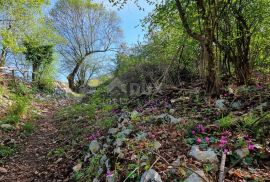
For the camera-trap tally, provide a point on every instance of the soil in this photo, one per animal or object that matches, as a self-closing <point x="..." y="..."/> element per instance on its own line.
<point x="32" y="162"/>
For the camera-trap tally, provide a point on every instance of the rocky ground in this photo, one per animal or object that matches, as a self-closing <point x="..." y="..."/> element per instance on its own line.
<point x="178" y="134"/>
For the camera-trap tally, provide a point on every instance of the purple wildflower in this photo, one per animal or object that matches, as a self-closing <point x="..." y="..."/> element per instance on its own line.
<point x="226" y="151"/>
<point x="207" y="140"/>
<point x="201" y="128"/>
<point x="246" y="137"/>
<point x="109" y="173"/>
<point x="193" y="132"/>
<point x="259" y="86"/>
<point x="198" y="140"/>
<point x="251" y="147"/>
<point x="223" y="141"/>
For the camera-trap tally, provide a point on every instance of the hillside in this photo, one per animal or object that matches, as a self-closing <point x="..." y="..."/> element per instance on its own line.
<point x="177" y="133"/>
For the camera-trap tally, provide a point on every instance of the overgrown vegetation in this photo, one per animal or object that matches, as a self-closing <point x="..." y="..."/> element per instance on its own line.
<point x="190" y="100"/>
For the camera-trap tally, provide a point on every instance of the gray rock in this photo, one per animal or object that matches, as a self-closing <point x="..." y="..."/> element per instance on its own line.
<point x="176" y="163"/>
<point x="157" y="145"/>
<point x="77" y="168"/>
<point x="236" y="105"/>
<point x="141" y="136"/>
<point x="117" y="150"/>
<point x="94" y="147"/>
<point x="95" y="180"/>
<point x="150" y="176"/>
<point x="7" y="126"/>
<point x="3" y="170"/>
<point x="107" y="164"/>
<point x="119" y="142"/>
<point x="203" y="156"/>
<point x="195" y="177"/>
<point x="86" y="157"/>
<point x="172" y="111"/>
<point x="242" y="152"/>
<point x="144" y="158"/>
<point x="103" y="160"/>
<point x="166" y="118"/>
<point x="124" y="133"/>
<point x="110" y="178"/>
<point x="113" y="131"/>
<point x="220" y="104"/>
<point x="100" y="170"/>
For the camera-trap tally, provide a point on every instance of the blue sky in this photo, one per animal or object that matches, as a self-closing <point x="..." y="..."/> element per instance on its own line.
<point x="130" y="19"/>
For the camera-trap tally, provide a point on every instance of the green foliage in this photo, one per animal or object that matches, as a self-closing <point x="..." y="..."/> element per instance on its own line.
<point x="78" y="175"/>
<point x="28" y="128"/>
<point x="226" y="122"/>
<point x="41" y="58"/>
<point x="24" y="12"/>
<point x="11" y="119"/>
<point x="20" y="106"/>
<point x="47" y="77"/>
<point x="249" y="120"/>
<point x="106" y="123"/>
<point x="92" y="169"/>
<point x="5" y="151"/>
<point x="59" y="152"/>
<point x="22" y="90"/>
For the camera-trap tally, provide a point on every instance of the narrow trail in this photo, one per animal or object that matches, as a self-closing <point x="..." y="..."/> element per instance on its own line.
<point x="32" y="162"/>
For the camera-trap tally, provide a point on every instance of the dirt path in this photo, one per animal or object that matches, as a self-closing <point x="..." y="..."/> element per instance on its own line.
<point x="32" y="162"/>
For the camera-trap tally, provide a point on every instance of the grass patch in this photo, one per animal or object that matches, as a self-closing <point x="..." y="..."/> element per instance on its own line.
<point x="226" y="122"/>
<point x="6" y="151"/>
<point x="28" y="128"/>
<point x="59" y="152"/>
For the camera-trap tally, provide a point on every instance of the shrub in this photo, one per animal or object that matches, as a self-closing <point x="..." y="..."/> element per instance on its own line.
<point x="20" y="106"/>
<point x="47" y="77"/>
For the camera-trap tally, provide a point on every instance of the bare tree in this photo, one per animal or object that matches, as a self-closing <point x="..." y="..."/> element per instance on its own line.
<point x="87" y="28"/>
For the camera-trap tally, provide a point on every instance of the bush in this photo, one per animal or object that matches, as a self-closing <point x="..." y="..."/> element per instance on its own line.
<point x="20" y="106"/>
<point x="12" y="119"/>
<point x="153" y="74"/>
<point x="47" y="77"/>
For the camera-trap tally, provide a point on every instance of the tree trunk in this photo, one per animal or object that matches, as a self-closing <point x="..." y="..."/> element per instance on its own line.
<point x="34" y="71"/>
<point x="212" y="80"/>
<point x="71" y="77"/>
<point x="242" y="69"/>
<point x="3" y="57"/>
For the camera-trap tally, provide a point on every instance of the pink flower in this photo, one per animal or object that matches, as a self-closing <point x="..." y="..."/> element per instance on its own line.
<point x="193" y="132"/>
<point x="207" y="139"/>
<point x="246" y="137"/>
<point x="226" y="151"/>
<point x="200" y="128"/>
<point x="198" y="140"/>
<point x="227" y="133"/>
<point x="251" y="147"/>
<point x="223" y="141"/>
